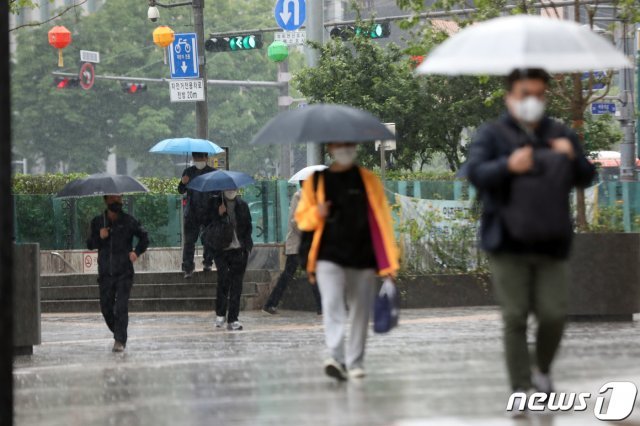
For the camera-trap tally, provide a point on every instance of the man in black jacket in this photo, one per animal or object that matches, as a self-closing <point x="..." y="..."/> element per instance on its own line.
<point x="196" y="214"/>
<point x="231" y="261"/>
<point x="112" y="235"/>
<point x="528" y="275"/>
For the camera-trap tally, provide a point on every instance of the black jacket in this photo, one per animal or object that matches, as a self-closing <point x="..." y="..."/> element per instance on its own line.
<point x="244" y="226"/>
<point x="198" y="203"/>
<point x="113" y="252"/>
<point x="486" y="168"/>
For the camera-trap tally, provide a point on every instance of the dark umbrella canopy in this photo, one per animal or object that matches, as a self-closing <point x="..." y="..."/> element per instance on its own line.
<point x="322" y="123"/>
<point x="220" y="180"/>
<point x="101" y="184"/>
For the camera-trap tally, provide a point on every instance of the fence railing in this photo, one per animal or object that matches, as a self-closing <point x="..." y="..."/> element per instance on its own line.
<point x="63" y="224"/>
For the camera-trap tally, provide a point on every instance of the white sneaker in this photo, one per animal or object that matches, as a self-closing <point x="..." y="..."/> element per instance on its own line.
<point x="542" y="382"/>
<point x="235" y="326"/>
<point x="333" y="368"/>
<point x="220" y="322"/>
<point x="356" y="373"/>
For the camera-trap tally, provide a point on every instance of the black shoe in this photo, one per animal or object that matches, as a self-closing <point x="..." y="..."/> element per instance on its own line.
<point x="207" y="268"/>
<point x="271" y="310"/>
<point x="188" y="275"/>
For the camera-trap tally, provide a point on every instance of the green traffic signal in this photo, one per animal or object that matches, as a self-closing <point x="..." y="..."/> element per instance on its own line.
<point x="234" y="43"/>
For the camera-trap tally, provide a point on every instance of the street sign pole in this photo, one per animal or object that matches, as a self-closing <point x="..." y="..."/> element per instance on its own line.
<point x="285" y="149"/>
<point x="315" y="33"/>
<point x="202" y="107"/>
<point x="627" y="122"/>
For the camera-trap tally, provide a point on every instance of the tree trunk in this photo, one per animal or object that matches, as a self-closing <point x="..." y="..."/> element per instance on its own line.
<point x="577" y="122"/>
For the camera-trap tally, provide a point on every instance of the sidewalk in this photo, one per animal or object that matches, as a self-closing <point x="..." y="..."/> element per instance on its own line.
<point x="441" y="367"/>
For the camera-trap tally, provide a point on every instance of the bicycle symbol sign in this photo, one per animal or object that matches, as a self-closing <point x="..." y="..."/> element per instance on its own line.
<point x="184" y="56"/>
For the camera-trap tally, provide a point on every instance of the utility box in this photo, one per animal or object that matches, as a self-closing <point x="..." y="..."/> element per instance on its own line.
<point x="26" y="298"/>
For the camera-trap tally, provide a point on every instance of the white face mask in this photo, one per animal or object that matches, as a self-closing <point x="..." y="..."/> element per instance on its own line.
<point x="529" y="110"/>
<point x="231" y="195"/>
<point x="345" y="156"/>
<point x="200" y="164"/>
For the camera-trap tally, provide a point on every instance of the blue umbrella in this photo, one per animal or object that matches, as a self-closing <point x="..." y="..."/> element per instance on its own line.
<point x="220" y="180"/>
<point x="185" y="146"/>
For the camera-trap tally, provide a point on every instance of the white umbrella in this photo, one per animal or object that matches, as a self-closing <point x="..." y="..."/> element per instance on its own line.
<point x="306" y="172"/>
<point x="501" y="45"/>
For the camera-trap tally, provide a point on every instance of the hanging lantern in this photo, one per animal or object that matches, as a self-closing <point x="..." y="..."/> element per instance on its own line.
<point x="59" y="38"/>
<point x="163" y="36"/>
<point x="278" y="51"/>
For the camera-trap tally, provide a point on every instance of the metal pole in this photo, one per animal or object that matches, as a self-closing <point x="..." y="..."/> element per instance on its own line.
<point x="627" y="122"/>
<point x="6" y="228"/>
<point x="383" y="161"/>
<point x="315" y="33"/>
<point x="202" y="109"/>
<point x="638" y="88"/>
<point x="285" y="154"/>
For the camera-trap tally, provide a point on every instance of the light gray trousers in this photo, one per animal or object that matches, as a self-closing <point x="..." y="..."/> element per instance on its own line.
<point x="340" y="286"/>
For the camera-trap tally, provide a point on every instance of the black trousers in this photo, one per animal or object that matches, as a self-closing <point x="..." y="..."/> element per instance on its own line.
<point x="290" y="267"/>
<point x="231" y="266"/>
<point x="114" y="303"/>
<point x="193" y="230"/>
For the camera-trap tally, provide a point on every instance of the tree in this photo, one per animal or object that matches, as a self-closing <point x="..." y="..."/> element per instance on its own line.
<point x="430" y="113"/>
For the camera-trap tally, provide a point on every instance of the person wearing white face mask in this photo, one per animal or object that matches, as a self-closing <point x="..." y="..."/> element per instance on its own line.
<point x="524" y="166"/>
<point x="233" y="227"/>
<point x="196" y="213"/>
<point x="353" y="239"/>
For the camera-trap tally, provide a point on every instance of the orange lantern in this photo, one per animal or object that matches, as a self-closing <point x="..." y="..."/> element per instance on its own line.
<point x="163" y="36"/>
<point x="59" y="37"/>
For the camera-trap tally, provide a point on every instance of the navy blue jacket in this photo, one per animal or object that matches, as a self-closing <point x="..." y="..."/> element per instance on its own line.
<point x="198" y="204"/>
<point x="113" y="252"/>
<point x="486" y="168"/>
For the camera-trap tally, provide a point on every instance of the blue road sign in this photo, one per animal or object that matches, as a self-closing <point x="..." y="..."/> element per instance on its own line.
<point x="184" y="56"/>
<point x="599" y="108"/>
<point x="290" y="14"/>
<point x="598" y="76"/>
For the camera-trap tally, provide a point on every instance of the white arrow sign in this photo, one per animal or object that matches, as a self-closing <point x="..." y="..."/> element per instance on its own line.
<point x="184" y="66"/>
<point x="286" y="15"/>
<point x="290" y="14"/>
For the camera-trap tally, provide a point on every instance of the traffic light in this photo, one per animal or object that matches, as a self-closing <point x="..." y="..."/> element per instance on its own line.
<point x="374" y="31"/>
<point x="66" y="82"/>
<point x="234" y="43"/>
<point x="133" y="88"/>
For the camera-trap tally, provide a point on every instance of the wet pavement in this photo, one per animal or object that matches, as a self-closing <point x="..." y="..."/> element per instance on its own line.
<point x="440" y="367"/>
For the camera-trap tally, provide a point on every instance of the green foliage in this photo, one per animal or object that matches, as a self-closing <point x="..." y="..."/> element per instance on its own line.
<point x="53" y="183"/>
<point x="608" y="219"/>
<point x="601" y="132"/>
<point x="430" y="113"/>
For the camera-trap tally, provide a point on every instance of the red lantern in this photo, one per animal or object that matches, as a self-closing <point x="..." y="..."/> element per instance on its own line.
<point x="59" y="37"/>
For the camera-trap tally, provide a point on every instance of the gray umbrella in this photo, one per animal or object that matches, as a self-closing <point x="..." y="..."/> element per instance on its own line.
<point x="101" y="184"/>
<point x="322" y="123"/>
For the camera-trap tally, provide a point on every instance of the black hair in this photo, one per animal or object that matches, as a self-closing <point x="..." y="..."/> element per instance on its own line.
<point x="526" y="74"/>
<point x="199" y="154"/>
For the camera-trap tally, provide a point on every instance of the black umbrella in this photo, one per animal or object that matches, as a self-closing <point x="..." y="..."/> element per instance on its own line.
<point x="101" y="184"/>
<point x="322" y="123"/>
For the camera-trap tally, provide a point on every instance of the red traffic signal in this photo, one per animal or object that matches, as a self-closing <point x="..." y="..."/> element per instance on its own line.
<point x="134" y="88"/>
<point x="66" y="82"/>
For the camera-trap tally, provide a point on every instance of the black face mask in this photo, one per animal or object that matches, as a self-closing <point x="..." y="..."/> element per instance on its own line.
<point x="115" y="207"/>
